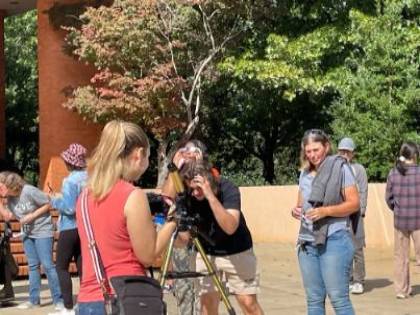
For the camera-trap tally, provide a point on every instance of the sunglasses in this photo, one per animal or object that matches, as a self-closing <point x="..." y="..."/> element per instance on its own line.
<point x="315" y="132"/>
<point x="190" y="150"/>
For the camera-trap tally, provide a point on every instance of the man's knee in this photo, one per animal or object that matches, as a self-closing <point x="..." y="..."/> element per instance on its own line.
<point x="210" y="302"/>
<point x="249" y="303"/>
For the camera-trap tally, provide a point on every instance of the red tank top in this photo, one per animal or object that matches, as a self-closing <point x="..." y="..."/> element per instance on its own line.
<point x="111" y="235"/>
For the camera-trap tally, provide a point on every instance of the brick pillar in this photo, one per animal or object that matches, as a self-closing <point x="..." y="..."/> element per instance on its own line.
<point x="58" y="127"/>
<point x="2" y="89"/>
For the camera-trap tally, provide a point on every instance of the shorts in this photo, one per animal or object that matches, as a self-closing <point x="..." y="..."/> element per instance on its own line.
<point x="238" y="272"/>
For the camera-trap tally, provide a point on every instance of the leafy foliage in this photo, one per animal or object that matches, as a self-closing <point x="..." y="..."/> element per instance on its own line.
<point x="20" y="43"/>
<point x="151" y="57"/>
<point x="380" y="91"/>
<point x="350" y="68"/>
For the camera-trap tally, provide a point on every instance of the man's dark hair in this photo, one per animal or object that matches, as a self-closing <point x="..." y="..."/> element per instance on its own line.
<point x="192" y="168"/>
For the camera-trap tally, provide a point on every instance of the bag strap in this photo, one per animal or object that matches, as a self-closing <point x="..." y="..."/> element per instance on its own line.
<point x="97" y="262"/>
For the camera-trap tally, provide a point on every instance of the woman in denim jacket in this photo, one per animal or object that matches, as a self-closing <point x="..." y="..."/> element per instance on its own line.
<point x="68" y="245"/>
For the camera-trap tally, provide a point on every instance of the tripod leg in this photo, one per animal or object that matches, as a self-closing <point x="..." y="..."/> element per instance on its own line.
<point x="167" y="260"/>
<point x="215" y="278"/>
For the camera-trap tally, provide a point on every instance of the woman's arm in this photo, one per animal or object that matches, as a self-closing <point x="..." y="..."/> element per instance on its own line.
<point x="66" y="203"/>
<point x="297" y="210"/>
<point x="30" y="217"/>
<point x="389" y="195"/>
<point x="5" y="213"/>
<point x="147" y="245"/>
<point x="344" y="209"/>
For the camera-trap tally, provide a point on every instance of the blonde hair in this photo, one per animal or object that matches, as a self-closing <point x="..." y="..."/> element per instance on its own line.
<point x="312" y="135"/>
<point x="13" y="182"/>
<point x="109" y="162"/>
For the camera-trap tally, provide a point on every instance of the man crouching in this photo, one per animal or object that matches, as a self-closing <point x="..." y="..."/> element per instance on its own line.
<point x="218" y="203"/>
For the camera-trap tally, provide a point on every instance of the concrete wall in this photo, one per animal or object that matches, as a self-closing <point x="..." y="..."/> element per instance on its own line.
<point x="267" y="211"/>
<point x="57" y="71"/>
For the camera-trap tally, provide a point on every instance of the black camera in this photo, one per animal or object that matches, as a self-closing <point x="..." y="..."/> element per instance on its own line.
<point x="183" y="214"/>
<point x="157" y="204"/>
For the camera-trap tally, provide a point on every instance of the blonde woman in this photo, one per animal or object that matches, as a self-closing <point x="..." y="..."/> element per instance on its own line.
<point x="119" y="212"/>
<point x="31" y="207"/>
<point x="327" y="197"/>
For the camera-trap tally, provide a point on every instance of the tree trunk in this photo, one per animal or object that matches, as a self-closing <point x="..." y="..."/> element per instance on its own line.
<point x="268" y="170"/>
<point x="162" y="162"/>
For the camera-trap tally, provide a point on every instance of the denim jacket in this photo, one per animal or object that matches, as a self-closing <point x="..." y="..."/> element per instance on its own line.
<point x="66" y="203"/>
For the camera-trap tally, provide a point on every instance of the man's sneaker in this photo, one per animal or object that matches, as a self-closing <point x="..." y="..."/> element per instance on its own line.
<point x="64" y="311"/>
<point x="357" y="288"/>
<point x="27" y="305"/>
<point x="401" y="296"/>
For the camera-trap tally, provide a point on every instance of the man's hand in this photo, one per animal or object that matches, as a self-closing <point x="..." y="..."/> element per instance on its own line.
<point x="204" y="185"/>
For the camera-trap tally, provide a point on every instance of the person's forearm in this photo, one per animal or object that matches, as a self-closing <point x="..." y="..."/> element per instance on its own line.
<point x="5" y="213"/>
<point x="226" y="221"/>
<point x="163" y="237"/>
<point x="343" y="209"/>
<point x="40" y="211"/>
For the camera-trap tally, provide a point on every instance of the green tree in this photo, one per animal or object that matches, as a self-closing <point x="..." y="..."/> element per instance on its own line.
<point x="350" y="68"/>
<point x="282" y="83"/>
<point x="379" y="102"/>
<point x="20" y="37"/>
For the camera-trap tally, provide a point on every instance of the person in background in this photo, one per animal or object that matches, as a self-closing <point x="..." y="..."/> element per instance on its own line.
<point x="346" y="148"/>
<point x="183" y="255"/>
<point x="31" y="207"/>
<point x="119" y="213"/>
<point x="68" y="245"/>
<point x="403" y="198"/>
<point x="327" y="197"/>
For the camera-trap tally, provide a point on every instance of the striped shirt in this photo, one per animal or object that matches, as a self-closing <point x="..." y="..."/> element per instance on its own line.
<point x="403" y="197"/>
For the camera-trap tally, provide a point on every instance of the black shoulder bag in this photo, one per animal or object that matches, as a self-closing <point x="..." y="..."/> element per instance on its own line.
<point x="7" y="261"/>
<point x="133" y="294"/>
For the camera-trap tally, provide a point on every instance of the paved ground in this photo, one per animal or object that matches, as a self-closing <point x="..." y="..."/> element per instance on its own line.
<point x="282" y="292"/>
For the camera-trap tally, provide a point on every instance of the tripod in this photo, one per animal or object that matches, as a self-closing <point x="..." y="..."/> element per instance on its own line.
<point x="192" y="274"/>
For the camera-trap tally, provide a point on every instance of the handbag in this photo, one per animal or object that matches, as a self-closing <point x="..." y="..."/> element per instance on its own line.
<point x="133" y="294"/>
<point x="6" y="256"/>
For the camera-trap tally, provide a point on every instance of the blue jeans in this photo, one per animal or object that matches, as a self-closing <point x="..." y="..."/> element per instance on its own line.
<point x="326" y="271"/>
<point x="39" y="251"/>
<point x="91" y="308"/>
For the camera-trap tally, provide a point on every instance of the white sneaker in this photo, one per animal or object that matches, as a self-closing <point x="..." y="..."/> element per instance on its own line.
<point x="27" y="305"/>
<point x="59" y="306"/>
<point x="64" y="311"/>
<point x="357" y="288"/>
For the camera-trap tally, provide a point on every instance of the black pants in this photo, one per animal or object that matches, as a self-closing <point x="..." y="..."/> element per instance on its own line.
<point x="68" y="247"/>
<point x="5" y="276"/>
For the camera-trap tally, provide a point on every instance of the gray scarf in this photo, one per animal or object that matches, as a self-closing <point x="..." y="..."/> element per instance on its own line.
<point x="326" y="191"/>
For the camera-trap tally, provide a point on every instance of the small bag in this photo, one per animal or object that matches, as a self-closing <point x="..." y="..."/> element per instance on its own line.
<point x="6" y="256"/>
<point x="137" y="295"/>
<point x="133" y="294"/>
